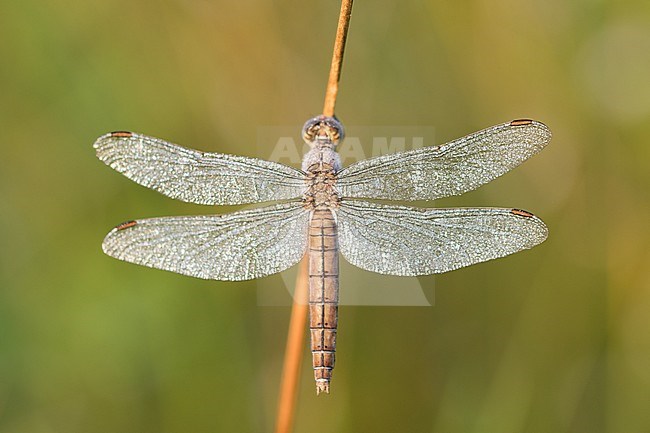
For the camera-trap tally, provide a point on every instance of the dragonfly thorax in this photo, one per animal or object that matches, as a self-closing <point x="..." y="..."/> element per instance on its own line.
<point x="321" y="192"/>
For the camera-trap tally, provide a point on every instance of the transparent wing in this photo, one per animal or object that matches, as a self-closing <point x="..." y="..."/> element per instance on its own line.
<point x="440" y="171"/>
<point x="238" y="246"/>
<point x="198" y="177"/>
<point x="397" y="240"/>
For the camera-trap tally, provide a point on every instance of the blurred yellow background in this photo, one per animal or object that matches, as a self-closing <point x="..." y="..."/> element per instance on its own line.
<point x="556" y="339"/>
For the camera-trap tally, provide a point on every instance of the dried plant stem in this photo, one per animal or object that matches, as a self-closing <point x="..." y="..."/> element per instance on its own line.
<point x="337" y="58"/>
<point x="298" y="321"/>
<point x="293" y="352"/>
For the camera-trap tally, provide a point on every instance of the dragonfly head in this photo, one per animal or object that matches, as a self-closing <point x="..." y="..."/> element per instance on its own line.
<point x="323" y="131"/>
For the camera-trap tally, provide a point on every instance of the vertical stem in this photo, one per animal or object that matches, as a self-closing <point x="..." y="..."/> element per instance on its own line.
<point x="337" y="58"/>
<point x="298" y="321"/>
<point x="293" y="351"/>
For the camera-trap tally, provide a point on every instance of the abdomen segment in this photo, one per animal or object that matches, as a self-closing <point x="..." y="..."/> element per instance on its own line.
<point x="323" y="295"/>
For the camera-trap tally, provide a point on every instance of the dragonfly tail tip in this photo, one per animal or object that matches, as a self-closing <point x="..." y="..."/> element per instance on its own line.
<point x="322" y="386"/>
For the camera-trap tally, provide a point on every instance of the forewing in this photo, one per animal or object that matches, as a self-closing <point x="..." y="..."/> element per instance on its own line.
<point x="440" y="171"/>
<point x="397" y="240"/>
<point x="238" y="246"/>
<point x="198" y="177"/>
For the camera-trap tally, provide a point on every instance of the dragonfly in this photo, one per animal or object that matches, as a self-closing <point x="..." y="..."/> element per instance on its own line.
<point x="323" y="209"/>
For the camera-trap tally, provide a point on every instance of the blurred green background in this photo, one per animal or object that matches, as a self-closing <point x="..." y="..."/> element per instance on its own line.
<point x="556" y="339"/>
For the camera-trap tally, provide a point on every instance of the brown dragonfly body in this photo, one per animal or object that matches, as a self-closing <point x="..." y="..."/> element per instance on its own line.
<point x="321" y="164"/>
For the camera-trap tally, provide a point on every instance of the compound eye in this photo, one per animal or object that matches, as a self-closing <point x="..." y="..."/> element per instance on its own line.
<point x="310" y="129"/>
<point x="332" y="127"/>
<point x="338" y="133"/>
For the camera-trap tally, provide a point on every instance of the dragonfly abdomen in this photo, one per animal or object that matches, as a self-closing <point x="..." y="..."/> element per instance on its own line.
<point x="323" y="295"/>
